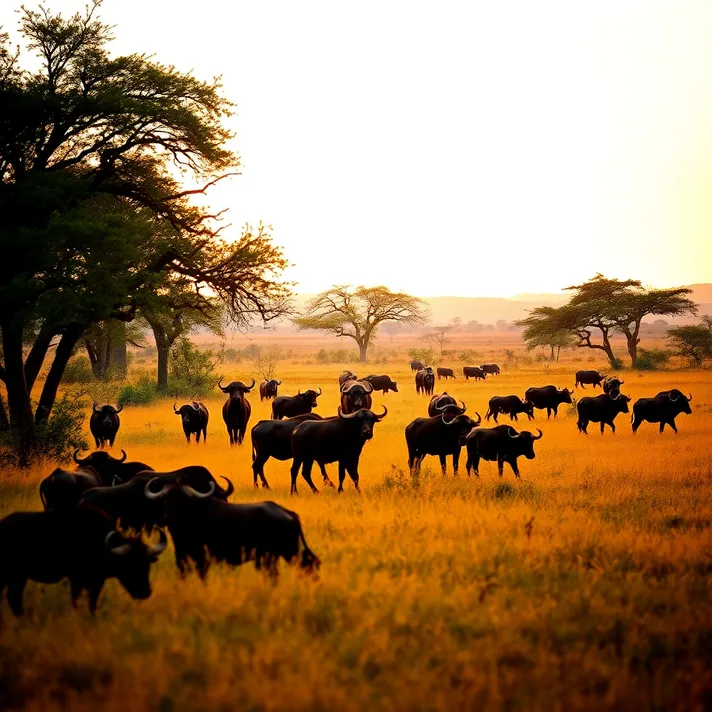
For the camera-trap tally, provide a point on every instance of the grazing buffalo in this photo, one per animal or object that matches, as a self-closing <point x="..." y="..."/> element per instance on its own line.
<point x="600" y="409"/>
<point x="63" y="488"/>
<point x="355" y="395"/>
<point x="194" y="419"/>
<point x="79" y="544"/>
<point x="591" y="378"/>
<point x="205" y="529"/>
<point x="612" y="385"/>
<point x="236" y="409"/>
<point x="509" y="405"/>
<point x="445" y="373"/>
<point x="473" y="372"/>
<point x="382" y="383"/>
<point x="104" y="424"/>
<point x="273" y="438"/>
<point x="549" y="397"/>
<point x="417" y="365"/>
<point x="268" y="389"/>
<point x="425" y="381"/>
<point x="289" y="406"/>
<point x="336" y="440"/>
<point x="111" y="469"/>
<point x="663" y="409"/>
<point x="491" y="368"/>
<point x="196" y="476"/>
<point x="445" y="403"/>
<point x="440" y="435"/>
<point x="347" y="376"/>
<point x="503" y="444"/>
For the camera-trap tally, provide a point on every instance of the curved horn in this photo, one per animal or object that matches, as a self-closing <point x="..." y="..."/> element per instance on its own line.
<point x="195" y="406"/>
<point x="123" y="457"/>
<point x="177" y="412"/>
<point x="77" y="460"/>
<point x="514" y="437"/>
<point x="385" y="413"/>
<point x="689" y="397"/>
<point x="345" y="416"/>
<point x="463" y="407"/>
<point x="671" y="398"/>
<point x="119" y="549"/>
<point x="94" y="408"/>
<point x="479" y="419"/>
<point x="230" y="487"/>
<point x="151" y="496"/>
<point x="449" y="422"/>
<point x="319" y="393"/>
<point x="538" y="437"/>
<point x="299" y="392"/>
<point x="615" y="397"/>
<point x="249" y="388"/>
<point x="158" y="549"/>
<point x="279" y="383"/>
<point x="221" y="387"/>
<point x="367" y="385"/>
<point x="120" y="408"/>
<point x="200" y="495"/>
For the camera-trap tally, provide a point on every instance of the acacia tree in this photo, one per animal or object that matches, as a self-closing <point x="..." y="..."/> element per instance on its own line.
<point x="94" y="152"/>
<point x="357" y="313"/>
<point x="693" y="341"/>
<point x="541" y="332"/>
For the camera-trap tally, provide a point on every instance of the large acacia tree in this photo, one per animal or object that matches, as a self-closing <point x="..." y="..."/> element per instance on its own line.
<point x="357" y="313"/>
<point x="95" y="153"/>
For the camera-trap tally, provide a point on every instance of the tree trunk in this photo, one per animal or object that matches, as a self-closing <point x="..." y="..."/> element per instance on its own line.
<point x="4" y="422"/>
<point x="632" y="342"/>
<point x="36" y="357"/>
<point x="362" y="349"/>
<point x="117" y="345"/>
<point x="163" y="352"/>
<point x="558" y="353"/>
<point x="551" y="358"/>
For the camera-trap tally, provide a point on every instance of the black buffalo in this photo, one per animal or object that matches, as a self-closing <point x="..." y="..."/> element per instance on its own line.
<point x="503" y="444"/>
<point x="345" y="376"/>
<point x="236" y="409"/>
<point x="416" y="365"/>
<point x="445" y="373"/>
<point x="194" y="419"/>
<point x="79" y="544"/>
<point x="441" y="435"/>
<point x="356" y="395"/>
<point x="104" y="424"/>
<point x="425" y="381"/>
<point x="289" y="406"/>
<point x="509" y="405"/>
<point x="62" y="489"/>
<point x="663" y="409"/>
<point x="337" y="440"/>
<point x="205" y="529"/>
<point x="473" y="372"/>
<point x="196" y="476"/>
<point x="591" y="378"/>
<point x="444" y="403"/>
<point x="612" y="385"/>
<point x="273" y="438"/>
<point x="601" y="409"/>
<point x="382" y="383"/>
<point x="548" y="397"/>
<point x="491" y="368"/>
<point x="268" y="389"/>
<point x="111" y="470"/>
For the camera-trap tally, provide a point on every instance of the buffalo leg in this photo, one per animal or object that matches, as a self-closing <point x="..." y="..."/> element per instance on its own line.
<point x="548" y="412"/>
<point x="635" y="424"/>
<point x="671" y="423"/>
<point x="205" y="434"/>
<point x="500" y="466"/>
<point x="513" y="416"/>
<point x="662" y="425"/>
<point x="306" y="474"/>
<point x="295" y="473"/>
<point x="15" y="590"/>
<point x="613" y="426"/>
<point x="473" y="462"/>
<point x="603" y="426"/>
<point x="324" y="476"/>
<point x="342" y="476"/>
<point x="352" y="468"/>
<point x="94" y="593"/>
<point x="443" y="463"/>
<point x="495" y="415"/>
<point x="258" y="471"/>
<point x="456" y="462"/>
<point x="197" y="436"/>
<point x="515" y="467"/>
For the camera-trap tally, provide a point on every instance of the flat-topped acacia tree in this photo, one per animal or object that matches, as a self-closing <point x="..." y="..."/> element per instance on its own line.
<point x="357" y="313"/>
<point x="95" y="154"/>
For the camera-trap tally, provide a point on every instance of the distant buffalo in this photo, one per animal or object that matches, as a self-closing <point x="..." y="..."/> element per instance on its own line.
<point x="268" y="389"/>
<point x="663" y="409"/>
<point x="601" y="409"/>
<point x="425" y="381"/>
<point x="112" y="470"/>
<point x="444" y="403"/>
<point x="549" y="398"/>
<point x="473" y="372"/>
<point x="491" y="368"/>
<point x="382" y="383"/>
<point x="104" y="424"/>
<point x="194" y="419"/>
<point x="345" y="376"/>
<point x="289" y="406"/>
<point x="445" y="373"/>
<point x="612" y="385"/>
<point x="503" y="444"/>
<point x="356" y="395"/>
<point x="417" y="365"/>
<point x="591" y="378"/>
<point x="509" y="405"/>
<point x="236" y="409"/>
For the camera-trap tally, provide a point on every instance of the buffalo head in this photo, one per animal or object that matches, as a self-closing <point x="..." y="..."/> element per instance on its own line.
<point x="525" y="441"/>
<point x="366" y="418"/>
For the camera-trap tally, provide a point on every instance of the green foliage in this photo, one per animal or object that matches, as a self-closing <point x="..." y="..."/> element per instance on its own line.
<point x="78" y="371"/>
<point x="143" y="392"/>
<point x="692" y="342"/>
<point x="652" y="359"/>
<point x="191" y="370"/>
<point x="336" y="356"/>
<point x="470" y="356"/>
<point x="425" y="355"/>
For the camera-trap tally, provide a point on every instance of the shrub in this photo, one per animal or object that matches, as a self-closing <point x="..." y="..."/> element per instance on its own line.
<point x="470" y="356"/>
<point x="78" y="370"/>
<point x="191" y="370"/>
<point x="652" y="359"/>
<point x="143" y="392"/>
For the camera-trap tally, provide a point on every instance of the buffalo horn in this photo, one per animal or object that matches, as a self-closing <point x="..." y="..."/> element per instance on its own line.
<point x="177" y="412"/>
<point x="221" y="387"/>
<point x="123" y="457"/>
<point x="538" y="437"/>
<point x="345" y="415"/>
<point x="479" y="419"/>
<point x="230" y="487"/>
<point x="249" y="388"/>
<point x="689" y="397"/>
<point x="514" y="437"/>
<point x="299" y="392"/>
<point x="95" y="409"/>
<point x="463" y="407"/>
<point x="191" y="492"/>
<point x="77" y="460"/>
<point x="278" y="383"/>
<point x="196" y="406"/>
<point x="158" y="549"/>
<point x="671" y="398"/>
<point x="155" y="495"/>
<point x="119" y="549"/>
<point x="319" y="393"/>
<point x="120" y="408"/>
<point x="385" y="412"/>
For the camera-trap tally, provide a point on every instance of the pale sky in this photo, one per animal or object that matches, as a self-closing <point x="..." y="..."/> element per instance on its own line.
<point x="457" y="148"/>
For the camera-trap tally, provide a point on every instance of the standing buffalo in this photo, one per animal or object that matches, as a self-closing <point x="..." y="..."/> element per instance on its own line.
<point x="356" y="395"/>
<point x="196" y="476"/>
<point x="194" y="419"/>
<point x="62" y="489"/>
<point x="79" y="544"/>
<point x="416" y="365"/>
<point x="111" y="469"/>
<point x="663" y="409"/>
<point x="473" y="372"/>
<point x="502" y="444"/>
<point x="491" y="368"/>
<point x="445" y="373"/>
<point x="104" y="424"/>
<point x="236" y="409"/>
<point x="509" y="405"/>
<point x="440" y="435"/>
<point x="612" y="385"/>
<point x="445" y="403"/>
<point x="345" y="376"/>
<point x="591" y="378"/>
<point x="337" y="440"/>
<point x="268" y="389"/>
<point x="382" y="383"/>
<point x="273" y="438"/>
<point x="548" y="397"/>
<point x="600" y="409"/>
<point x="425" y="381"/>
<point x="289" y="406"/>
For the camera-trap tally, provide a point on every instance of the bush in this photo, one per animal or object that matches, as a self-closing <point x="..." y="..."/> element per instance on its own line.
<point x="143" y="392"/>
<point x="78" y="370"/>
<point x="470" y="357"/>
<point x="191" y="370"/>
<point x="652" y="359"/>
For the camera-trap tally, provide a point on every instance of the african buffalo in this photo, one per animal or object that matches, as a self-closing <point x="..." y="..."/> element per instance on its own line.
<point x="236" y="409"/>
<point x="445" y="373"/>
<point x="425" y="381"/>
<point x="196" y="476"/>
<point x="600" y="409"/>
<point x="417" y="365"/>
<point x="205" y="529"/>
<point x="356" y="395"/>
<point x="268" y="389"/>
<point x="502" y="444"/>
<point x="382" y="383"/>
<point x="663" y="409"/>
<point x="194" y="419"/>
<point x="289" y="406"/>
<point x="104" y="424"/>
<point x="345" y="376"/>
<point x="548" y="397"/>
<point x="337" y="440"/>
<point x="440" y="435"/>
<point x="473" y="372"/>
<point x="111" y="469"/>
<point x="591" y="378"/>
<point x="273" y="438"/>
<point x="612" y="385"/>
<point x="491" y="368"/>
<point x="509" y="405"/>
<point x="445" y="403"/>
<point x="79" y="543"/>
<point x="63" y="488"/>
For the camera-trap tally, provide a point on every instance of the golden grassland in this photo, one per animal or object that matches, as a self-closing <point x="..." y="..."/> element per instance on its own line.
<point x="584" y="586"/>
